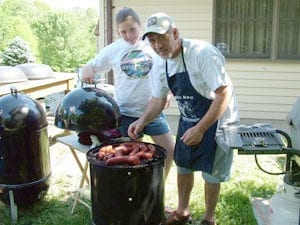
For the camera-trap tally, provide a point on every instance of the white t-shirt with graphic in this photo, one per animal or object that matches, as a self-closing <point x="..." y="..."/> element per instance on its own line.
<point x="205" y="65"/>
<point x="132" y="65"/>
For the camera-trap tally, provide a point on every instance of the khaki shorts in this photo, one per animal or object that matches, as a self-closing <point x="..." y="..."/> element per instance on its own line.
<point x="221" y="168"/>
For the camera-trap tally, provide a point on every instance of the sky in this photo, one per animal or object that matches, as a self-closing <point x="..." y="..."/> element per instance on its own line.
<point x="69" y="4"/>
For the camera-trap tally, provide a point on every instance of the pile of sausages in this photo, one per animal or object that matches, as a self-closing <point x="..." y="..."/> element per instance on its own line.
<point x="127" y="153"/>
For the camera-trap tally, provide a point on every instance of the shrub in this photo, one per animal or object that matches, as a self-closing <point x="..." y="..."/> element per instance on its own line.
<point x="18" y="52"/>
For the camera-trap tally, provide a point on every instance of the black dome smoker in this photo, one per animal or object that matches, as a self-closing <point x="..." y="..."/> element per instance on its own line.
<point x="24" y="151"/>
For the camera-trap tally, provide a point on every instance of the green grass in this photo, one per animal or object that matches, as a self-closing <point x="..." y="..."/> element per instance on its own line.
<point x="234" y="206"/>
<point x="52" y="210"/>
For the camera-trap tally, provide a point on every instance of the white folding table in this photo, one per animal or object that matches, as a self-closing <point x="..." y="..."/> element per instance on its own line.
<point x="72" y="142"/>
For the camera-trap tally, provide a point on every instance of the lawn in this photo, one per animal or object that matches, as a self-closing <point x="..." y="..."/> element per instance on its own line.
<point x="234" y="207"/>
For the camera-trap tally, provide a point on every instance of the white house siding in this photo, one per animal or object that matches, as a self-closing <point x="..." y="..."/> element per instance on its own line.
<point x="265" y="90"/>
<point x="192" y="18"/>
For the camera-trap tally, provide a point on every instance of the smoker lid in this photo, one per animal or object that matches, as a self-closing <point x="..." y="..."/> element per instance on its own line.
<point x="19" y="112"/>
<point x="9" y="74"/>
<point x="34" y="71"/>
<point x="87" y="110"/>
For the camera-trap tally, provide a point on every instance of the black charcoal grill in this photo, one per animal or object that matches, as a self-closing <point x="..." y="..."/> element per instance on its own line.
<point x="120" y="194"/>
<point x="24" y="152"/>
<point x="127" y="195"/>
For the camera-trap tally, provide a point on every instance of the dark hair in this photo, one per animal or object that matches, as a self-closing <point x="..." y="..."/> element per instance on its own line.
<point x="124" y="13"/>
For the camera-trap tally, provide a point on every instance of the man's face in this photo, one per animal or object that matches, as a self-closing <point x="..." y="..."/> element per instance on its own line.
<point x="163" y="44"/>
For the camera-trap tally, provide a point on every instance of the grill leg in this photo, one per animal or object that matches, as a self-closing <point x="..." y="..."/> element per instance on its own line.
<point x="13" y="208"/>
<point x="78" y="194"/>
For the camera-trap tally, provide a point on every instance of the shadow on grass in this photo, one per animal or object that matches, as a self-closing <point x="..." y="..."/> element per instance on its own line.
<point x="49" y="211"/>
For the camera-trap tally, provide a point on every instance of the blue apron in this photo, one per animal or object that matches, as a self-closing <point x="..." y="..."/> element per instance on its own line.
<point x="192" y="107"/>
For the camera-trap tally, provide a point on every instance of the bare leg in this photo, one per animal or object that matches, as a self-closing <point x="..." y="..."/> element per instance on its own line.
<point x="212" y="192"/>
<point x="168" y="143"/>
<point x="185" y="185"/>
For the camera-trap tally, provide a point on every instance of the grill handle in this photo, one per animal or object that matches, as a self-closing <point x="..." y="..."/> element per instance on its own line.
<point x="288" y="138"/>
<point x="289" y="145"/>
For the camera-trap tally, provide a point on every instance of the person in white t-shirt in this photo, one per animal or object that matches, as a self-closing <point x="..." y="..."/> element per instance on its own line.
<point x="133" y="62"/>
<point x="196" y="76"/>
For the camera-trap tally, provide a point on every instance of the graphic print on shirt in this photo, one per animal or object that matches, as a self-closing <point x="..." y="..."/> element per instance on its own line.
<point x="186" y="108"/>
<point x="136" y="64"/>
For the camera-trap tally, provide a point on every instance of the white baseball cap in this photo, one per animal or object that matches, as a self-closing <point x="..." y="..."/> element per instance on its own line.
<point x="158" y="23"/>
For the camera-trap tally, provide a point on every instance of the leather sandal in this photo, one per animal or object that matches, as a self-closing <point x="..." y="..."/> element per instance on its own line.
<point x="169" y="210"/>
<point x="206" y="222"/>
<point x="176" y="219"/>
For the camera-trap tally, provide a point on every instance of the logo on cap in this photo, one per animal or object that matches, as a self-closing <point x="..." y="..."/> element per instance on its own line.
<point x="152" y="21"/>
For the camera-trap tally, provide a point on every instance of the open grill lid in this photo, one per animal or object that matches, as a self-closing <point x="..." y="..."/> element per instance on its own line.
<point x="87" y="110"/>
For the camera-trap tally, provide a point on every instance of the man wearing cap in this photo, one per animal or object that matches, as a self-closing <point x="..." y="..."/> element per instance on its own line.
<point x="195" y="74"/>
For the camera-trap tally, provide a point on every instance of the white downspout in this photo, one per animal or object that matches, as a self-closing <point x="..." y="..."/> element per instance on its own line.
<point x="102" y="26"/>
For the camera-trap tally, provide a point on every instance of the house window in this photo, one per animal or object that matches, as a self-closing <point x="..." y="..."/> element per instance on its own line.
<point x="258" y="28"/>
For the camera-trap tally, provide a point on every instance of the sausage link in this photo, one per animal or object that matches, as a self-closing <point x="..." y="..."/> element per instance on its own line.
<point x="135" y="150"/>
<point x="123" y="160"/>
<point x="142" y="147"/>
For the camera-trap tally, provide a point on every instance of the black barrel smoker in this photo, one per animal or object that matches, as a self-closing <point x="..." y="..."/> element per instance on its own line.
<point x="127" y="195"/>
<point x="120" y="195"/>
<point x="24" y="150"/>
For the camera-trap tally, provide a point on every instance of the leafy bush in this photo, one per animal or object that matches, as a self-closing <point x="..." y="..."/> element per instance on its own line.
<point x="18" y="52"/>
<point x="16" y="17"/>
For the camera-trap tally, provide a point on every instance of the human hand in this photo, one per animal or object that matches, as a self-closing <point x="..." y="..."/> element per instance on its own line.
<point x="192" y="136"/>
<point x="134" y="129"/>
<point x="87" y="74"/>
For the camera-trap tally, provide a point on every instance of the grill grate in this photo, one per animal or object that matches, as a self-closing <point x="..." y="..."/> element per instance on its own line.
<point x="159" y="156"/>
<point x="258" y="138"/>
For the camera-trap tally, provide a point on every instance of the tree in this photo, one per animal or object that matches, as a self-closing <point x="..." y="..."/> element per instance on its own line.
<point x="16" y="17"/>
<point x="29" y="10"/>
<point x="64" y="39"/>
<point x="18" y="52"/>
